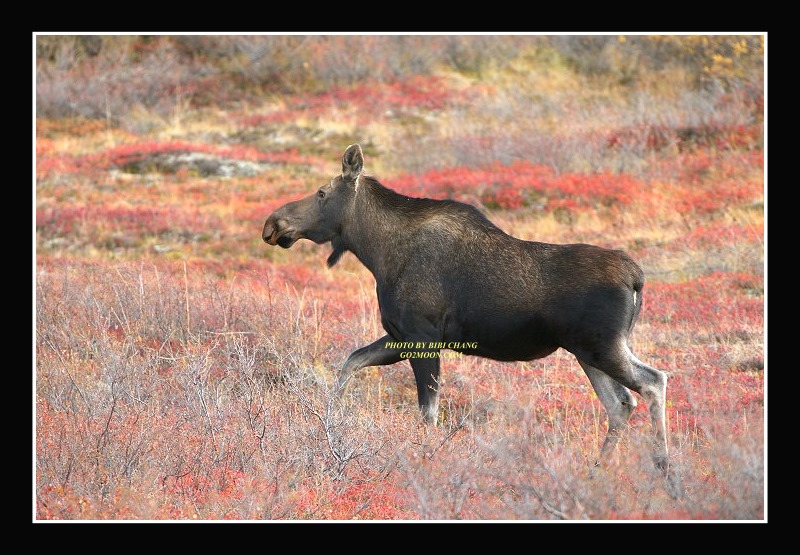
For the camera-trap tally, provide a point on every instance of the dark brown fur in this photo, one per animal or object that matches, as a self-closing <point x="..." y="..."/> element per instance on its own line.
<point x="445" y="273"/>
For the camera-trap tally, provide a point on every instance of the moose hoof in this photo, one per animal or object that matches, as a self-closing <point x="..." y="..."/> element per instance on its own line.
<point x="341" y="386"/>
<point x="662" y="464"/>
<point x="673" y="483"/>
<point x="431" y="419"/>
<point x="597" y="470"/>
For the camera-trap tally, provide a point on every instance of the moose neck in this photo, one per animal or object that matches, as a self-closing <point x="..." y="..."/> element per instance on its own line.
<point x="376" y="226"/>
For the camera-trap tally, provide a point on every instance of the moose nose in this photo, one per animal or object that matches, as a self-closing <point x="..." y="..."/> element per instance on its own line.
<point x="270" y="230"/>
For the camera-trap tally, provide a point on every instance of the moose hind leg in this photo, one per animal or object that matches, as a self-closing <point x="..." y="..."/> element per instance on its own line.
<point x="651" y="384"/>
<point x="654" y="391"/>
<point x="426" y="373"/>
<point x="618" y="402"/>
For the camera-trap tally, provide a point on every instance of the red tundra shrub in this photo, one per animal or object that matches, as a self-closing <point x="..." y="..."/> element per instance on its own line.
<point x="523" y="184"/>
<point x="687" y="138"/>
<point x="373" y="500"/>
<point x="708" y="301"/>
<point x="365" y="102"/>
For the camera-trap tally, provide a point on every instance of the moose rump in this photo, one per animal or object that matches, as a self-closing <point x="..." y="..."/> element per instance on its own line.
<point x="446" y="274"/>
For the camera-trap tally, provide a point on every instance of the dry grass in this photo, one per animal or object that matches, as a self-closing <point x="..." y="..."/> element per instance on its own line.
<point x="169" y="395"/>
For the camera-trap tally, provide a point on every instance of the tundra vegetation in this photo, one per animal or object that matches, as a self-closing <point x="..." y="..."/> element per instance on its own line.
<point x="185" y="370"/>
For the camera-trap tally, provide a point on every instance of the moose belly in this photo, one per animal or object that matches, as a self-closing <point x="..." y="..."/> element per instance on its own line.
<point x="500" y="331"/>
<point x="505" y="338"/>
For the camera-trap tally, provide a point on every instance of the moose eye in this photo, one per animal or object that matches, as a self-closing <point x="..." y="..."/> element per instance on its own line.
<point x="321" y="193"/>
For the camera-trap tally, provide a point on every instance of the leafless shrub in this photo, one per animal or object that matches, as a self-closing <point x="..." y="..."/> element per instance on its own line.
<point x="120" y="76"/>
<point x="154" y="386"/>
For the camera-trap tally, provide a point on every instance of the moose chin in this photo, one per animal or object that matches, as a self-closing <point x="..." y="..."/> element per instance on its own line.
<point x="445" y="274"/>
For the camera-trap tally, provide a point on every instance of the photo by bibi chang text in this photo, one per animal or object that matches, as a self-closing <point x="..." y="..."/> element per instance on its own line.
<point x="454" y="345"/>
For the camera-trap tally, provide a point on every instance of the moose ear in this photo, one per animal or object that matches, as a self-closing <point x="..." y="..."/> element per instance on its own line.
<point x="352" y="162"/>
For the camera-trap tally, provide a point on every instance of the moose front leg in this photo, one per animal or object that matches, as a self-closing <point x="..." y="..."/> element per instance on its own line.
<point x="426" y="372"/>
<point x="374" y="354"/>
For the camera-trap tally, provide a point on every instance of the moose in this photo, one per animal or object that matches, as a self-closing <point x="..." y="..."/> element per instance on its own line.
<point x="448" y="277"/>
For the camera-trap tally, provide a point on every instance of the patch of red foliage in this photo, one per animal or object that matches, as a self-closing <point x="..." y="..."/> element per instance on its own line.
<point x="707" y="302"/>
<point x="685" y="138"/>
<point x="719" y="312"/>
<point x="719" y="235"/>
<point x="522" y="184"/>
<point x="715" y="196"/>
<point x="696" y="167"/>
<point x="91" y="222"/>
<point x="366" y="101"/>
<point x="373" y="500"/>
<point x="224" y="482"/>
